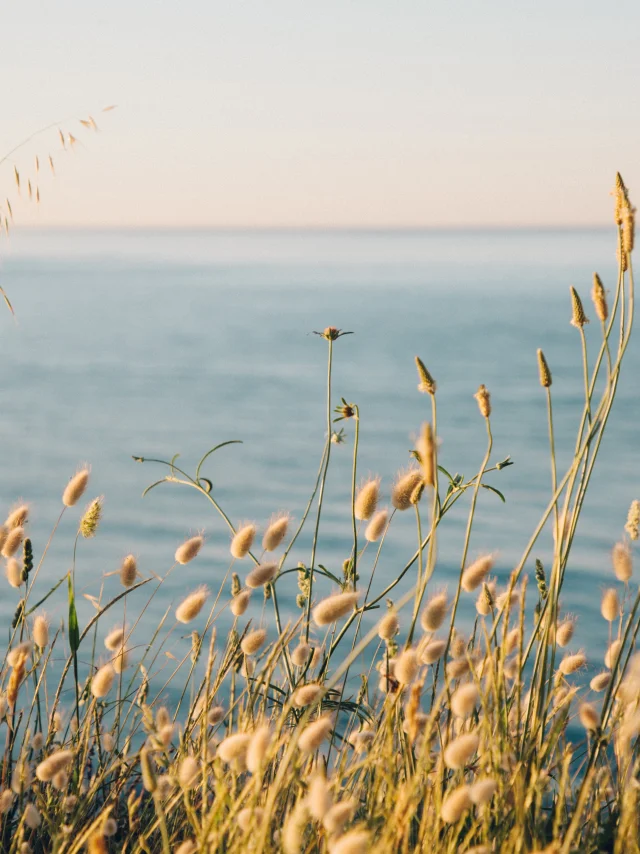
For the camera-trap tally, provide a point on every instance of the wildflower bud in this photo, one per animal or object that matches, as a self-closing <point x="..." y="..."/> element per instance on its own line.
<point x="41" y="631"/>
<point x="276" y="532"/>
<point x="484" y="401"/>
<point x="406" y="667"/>
<point x="433" y="651"/>
<point x="189" y="772"/>
<point x="388" y="625"/>
<point x="425" y="448"/>
<point x="333" y="607"/>
<point x="482" y="791"/>
<point x="14" y="572"/>
<point x="12" y="542"/>
<point x="190" y="607"/>
<point x="148" y="774"/>
<point x="543" y="368"/>
<point x="621" y="558"/>
<point x="464" y="699"/>
<point x="589" y="718"/>
<point x="240" y="603"/>
<point x="564" y="632"/>
<point x="307" y="694"/>
<point x="579" y="318"/>
<point x="612" y="653"/>
<point x="475" y="573"/>
<point x="434" y="613"/>
<point x="252" y="642"/>
<point x="128" y="571"/>
<point x="102" y="681"/>
<point x="263" y="573"/>
<point x="314" y="734"/>
<point x="610" y="605"/>
<point x="189" y="549"/>
<point x="572" y="663"/>
<point x="376" y="526"/>
<point x="600" y="681"/>
<point x="234" y="747"/>
<point x="456" y="804"/>
<point x="242" y="541"/>
<point x="404" y="487"/>
<point x="427" y="383"/>
<point x="18" y="517"/>
<point x="258" y="746"/>
<point x="91" y="518"/>
<point x="367" y="499"/>
<point x="75" y="488"/>
<point x="599" y="298"/>
<point x="632" y="526"/>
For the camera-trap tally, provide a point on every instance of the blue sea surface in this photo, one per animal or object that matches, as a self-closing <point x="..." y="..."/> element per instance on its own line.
<point x="156" y="343"/>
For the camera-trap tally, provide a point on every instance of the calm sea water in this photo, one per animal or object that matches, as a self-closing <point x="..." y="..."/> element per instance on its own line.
<point x="153" y="344"/>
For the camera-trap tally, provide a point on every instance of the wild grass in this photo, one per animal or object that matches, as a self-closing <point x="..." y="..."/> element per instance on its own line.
<point x="371" y="722"/>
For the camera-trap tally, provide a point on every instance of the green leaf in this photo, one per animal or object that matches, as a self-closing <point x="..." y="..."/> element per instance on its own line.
<point x="74" y="631"/>
<point x="444" y="471"/>
<point x="493" y="489"/>
<point x="153" y="485"/>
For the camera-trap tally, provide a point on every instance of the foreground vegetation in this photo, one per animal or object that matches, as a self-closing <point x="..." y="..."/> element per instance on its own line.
<point x="369" y="723"/>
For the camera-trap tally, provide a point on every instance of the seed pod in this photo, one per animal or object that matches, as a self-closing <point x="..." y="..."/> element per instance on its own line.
<point x="190" y="607"/>
<point x="74" y="490"/>
<point x="367" y="499"/>
<point x="459" y="751"/>
<point x="404" y="487"/>
<point x="242" y="541"/>
<point x="333" y="607"/>
<point x="263" y="573"/>
<point x="189" y="549"/>
<point x="276" y="532"/>
<point x="376" y="526"/>
<point x="434" y="613"/>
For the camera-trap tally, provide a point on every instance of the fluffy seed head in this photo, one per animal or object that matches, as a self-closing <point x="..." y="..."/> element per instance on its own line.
<point x="367" y="499"/>
<point x="486" y="598"/>
<point x="404" y="487"/>
<point x="621" y="559"/>
<point x="339" y="815"/>
<point x="464" y="700"/>
<point x="425" y="448"/>
<point x="376" y="526"/>
<point x="483" y="790"/>
<point x="612" y="653"/>
<point x="14" y="572"/>
<point x="314" y="734"/>
<point x="50" y="766"/>
<point x="600" y="681"/>
<point x="484" y="401"/>
<point x="41" y="631"/>
<point x="333" y="607"/>
<point x="427" y="383"/>
<point x="12" y="542"/>
<point x="572" y="663"/>
<point x="406" y="667"/>
<point x="599" y="298"/>
<point x="6" y="801"/>
<point x="564" y="632"/>
<point x="252" y="642"/>
<point x="353" y="842"/>
<point x="248" y="817"/>
<point x="610" y="605"/>
<point x="17" y="517"/>
<point x="240" y="603"/>
<point x="319" y="800"/>
<point x="307" y="694"/>
<point x="4" y="533"/>
<point x="258" y="746"/>
<point x="459" y="751"/>
<point x="388" y="625"/>
<point x="589" y="717"/>
<point x="31" y="816"/>
<point x="242" y="541"/>
<point x="190" y="607"/>
<point x="189" y="772"/>
<point x="300" y="654"/>
<point x="261" y="574"/>
<point x="543" y="369"/>
<point x="434" y="613"/>
<point x="75" y="488"/>
<point x="475" y="573"/>
<point x="234" y="747"/>
<point x="632" y="526"/>
<point x="361" y="741"/>
<point x="189" y="549"/>
<point x="186" y="847"/>
<point x="578" y="318"/>
<point x="128" y="571"/>
<point x="102" y="681"/>
<point x="456" y="804"/>
<point x="115" y="638"/>
<point x="433" y="651"/>
<point x="121" y="660"/>
<point x="457" y="668"/>
<point x="276" y="532"/>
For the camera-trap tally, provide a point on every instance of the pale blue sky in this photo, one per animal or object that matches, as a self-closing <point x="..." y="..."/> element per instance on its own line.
<point x="394" y="112"/>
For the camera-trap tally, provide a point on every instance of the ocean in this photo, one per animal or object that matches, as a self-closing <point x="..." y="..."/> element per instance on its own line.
<point x="148" y="343"/>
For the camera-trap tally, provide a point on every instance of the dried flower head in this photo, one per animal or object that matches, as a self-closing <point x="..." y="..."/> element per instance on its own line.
<point x="263" y="573"/>
<point x="406" y="666"/>
<point x="482" y="791"/>
<point x="464" y="699"/>
<point x="18" y="516"/>
<point x="41" y="630"/>
<point x="389" y="625"/>
<point x="234" y="747"/>
<point x="333" y="607"/>
<point x="632" y="526"/>
<point x="102" y="681"/>
<point x="13" y="572"/>
<point x="621" y="559"/>
<point x="276" y="531"/>
<point x="189" y="772"/>
<point x="543" y="369"/>
<point x="305" y="695"/>
<point x="484" y="401"/>
<point x="240" y="603"/>
<point x="459" y="751"/>
<point x="600" y="681"/>
<point x="427" y="384"/>
<point x="404" y="487"/>
<point x="115" y="638"/>
<point x="356" y="841"/>
<point x="572" y="663"/>
<point x="610" y="605"/>
<point x="425" y="450"/>
<point x="367" y="499"/>
<point x="242" y="541"/>
<point x="258" y="747"/>
<point x="12" y="542"/>
<point x="612" y="653"/>
<point x="91" y="518"/>
<point x="314" y="734"/>
<point x="579" y="318"/>
<point x="589" y="717"/>
<point x="564" y="631"/>
<point x="189" y="549"/>
<point x="431" y="652"/>
<point x="376" y="526"/>
<point x="128" y="571"/>
<point x="190" y="607"/>
<point x="253" y="641"/>
<point x="75" y="488"/>
<point x="319" y="798"/>
<point x="599" y="298"/>
<point x="456" y="804"/>
<point x="434" y="613"/>
<point x="50" y="766"/>
<point x="300" y="655"/>
<point x="475" y="573"/>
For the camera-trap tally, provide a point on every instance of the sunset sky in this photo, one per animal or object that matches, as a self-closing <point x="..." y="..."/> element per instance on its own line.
<point x="334" y="113"/>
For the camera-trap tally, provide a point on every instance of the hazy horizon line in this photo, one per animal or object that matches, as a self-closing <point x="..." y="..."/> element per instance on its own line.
<point x="284" y="228"/>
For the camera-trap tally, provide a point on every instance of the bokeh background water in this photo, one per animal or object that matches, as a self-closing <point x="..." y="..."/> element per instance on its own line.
<point x="156" y="343"/>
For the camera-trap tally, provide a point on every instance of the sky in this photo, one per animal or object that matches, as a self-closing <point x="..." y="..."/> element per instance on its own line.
<point x="340" y="113"/>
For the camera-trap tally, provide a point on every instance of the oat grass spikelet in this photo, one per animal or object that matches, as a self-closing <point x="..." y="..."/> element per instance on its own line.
<point x="190" y="607"/>
<point x="333" y="607"/>
<point x="75" y="488"/>
<point x="242" y="541"/>
<point x="632" y="526"/>
<point x="367" y="499"/>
